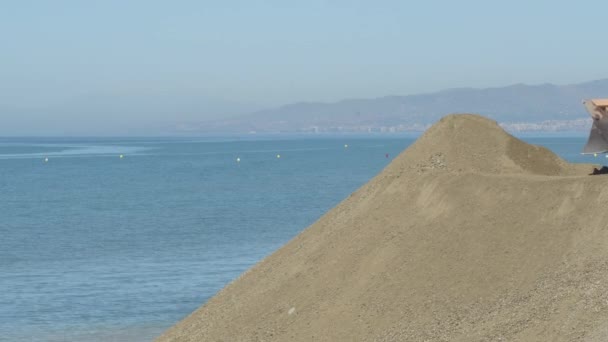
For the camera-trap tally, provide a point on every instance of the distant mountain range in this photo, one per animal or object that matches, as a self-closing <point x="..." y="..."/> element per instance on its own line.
<point x="544" y="107"/>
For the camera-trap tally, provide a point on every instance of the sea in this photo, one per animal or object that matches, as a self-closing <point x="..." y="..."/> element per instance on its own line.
<point x="117" y="239"/>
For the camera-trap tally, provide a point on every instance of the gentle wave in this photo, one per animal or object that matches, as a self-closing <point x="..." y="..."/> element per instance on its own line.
<point x="77" y="151"/>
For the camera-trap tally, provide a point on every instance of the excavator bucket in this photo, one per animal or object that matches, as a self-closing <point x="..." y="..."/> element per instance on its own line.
<point x="598" y="137"/>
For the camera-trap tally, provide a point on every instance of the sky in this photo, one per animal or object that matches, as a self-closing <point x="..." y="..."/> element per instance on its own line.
<point x="65" y="59"/>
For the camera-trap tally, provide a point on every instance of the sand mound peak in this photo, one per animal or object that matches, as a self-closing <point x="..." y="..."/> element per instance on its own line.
<point x="472" y="143"/>
<point x="437" y="255"/>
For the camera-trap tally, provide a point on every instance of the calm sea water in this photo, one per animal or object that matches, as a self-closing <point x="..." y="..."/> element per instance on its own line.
<point x="98" y="248"/>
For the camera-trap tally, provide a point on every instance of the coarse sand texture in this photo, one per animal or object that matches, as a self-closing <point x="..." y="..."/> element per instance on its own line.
<point x="468" y="235"/>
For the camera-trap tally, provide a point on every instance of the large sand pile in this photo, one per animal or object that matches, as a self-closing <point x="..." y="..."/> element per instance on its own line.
<point x="469" y="235"/>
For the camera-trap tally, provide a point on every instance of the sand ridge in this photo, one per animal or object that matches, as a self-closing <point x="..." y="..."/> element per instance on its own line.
<point x="468" y="235"/>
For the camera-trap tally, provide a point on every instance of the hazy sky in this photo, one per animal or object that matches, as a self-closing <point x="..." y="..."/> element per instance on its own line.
<point x="267" y="53"/>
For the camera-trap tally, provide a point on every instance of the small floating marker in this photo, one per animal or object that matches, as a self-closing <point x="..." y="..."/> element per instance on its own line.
<point x="386" y="155"/>
<point x="345" y="145"/>
<point x="46" y="159"/>
<point x="121" y="156"/>
<point x="595" y="154"/>
<point x="278" y="156"/>
<point x="238" y="160"/>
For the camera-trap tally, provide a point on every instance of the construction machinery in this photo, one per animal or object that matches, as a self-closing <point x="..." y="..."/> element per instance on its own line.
<point x="598" y="137"/>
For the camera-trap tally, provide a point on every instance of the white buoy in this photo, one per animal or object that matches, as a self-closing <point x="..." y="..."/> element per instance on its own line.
<point x="238" y="160"/>
<point x="345" y="145"/>
<point x="278" y="156"/>
<point x="121" y="156"/>
<point x="46" y="159"/>
<point x="595" y="154"/>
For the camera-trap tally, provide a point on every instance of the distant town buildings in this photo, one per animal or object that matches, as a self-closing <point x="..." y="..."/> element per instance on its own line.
<point x="543" y="126"/>
<point x="366" y="128"/>
<point x="284" y="126"/>
<point x="549" y="126"/>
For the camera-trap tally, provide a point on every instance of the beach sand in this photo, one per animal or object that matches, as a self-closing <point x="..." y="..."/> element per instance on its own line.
<point x="468" y="235"/>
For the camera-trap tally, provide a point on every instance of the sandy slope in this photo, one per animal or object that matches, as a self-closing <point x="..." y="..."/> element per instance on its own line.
<point x="468" y="235"/>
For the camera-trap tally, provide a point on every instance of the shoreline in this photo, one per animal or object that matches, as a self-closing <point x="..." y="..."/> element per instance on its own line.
<point x="131" y="333"/>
